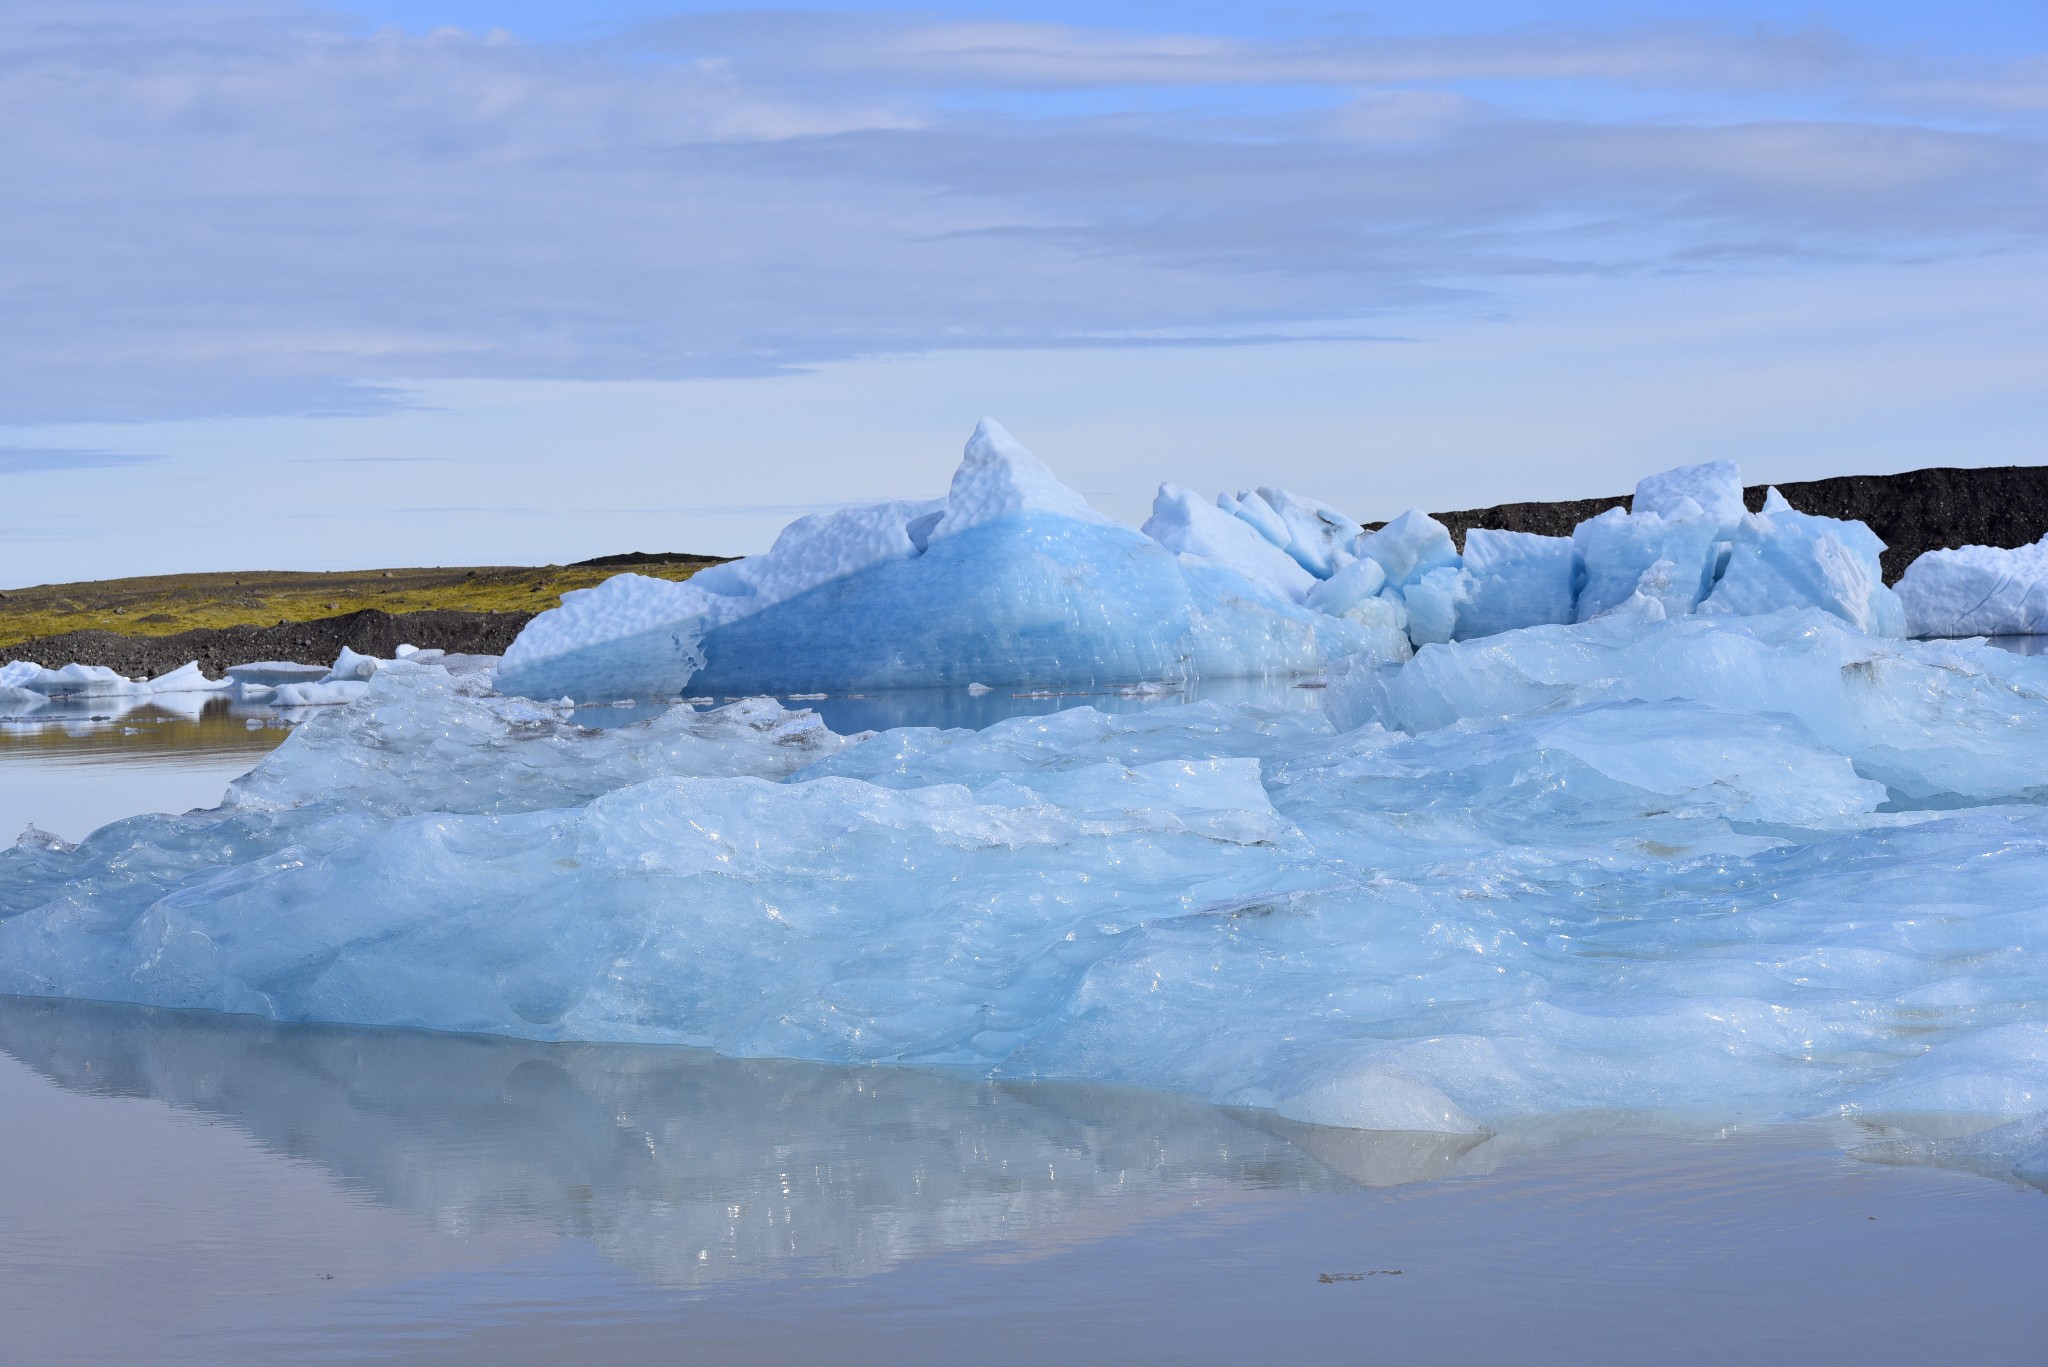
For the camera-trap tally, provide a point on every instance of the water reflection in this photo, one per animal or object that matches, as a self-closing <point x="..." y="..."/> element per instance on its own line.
<point x="691" y="1169"/>
<point x="169" y="728"/>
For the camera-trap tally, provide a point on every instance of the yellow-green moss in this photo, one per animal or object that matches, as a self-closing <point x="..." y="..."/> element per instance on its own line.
<point x="163" y="605"/>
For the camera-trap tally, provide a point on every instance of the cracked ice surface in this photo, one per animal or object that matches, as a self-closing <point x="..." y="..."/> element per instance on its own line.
<point x="1749" y="867"/>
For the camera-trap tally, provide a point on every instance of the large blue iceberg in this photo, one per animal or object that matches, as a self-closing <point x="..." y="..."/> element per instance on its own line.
<point x="1731" y="866"/>
<point x="1012" y="579"/>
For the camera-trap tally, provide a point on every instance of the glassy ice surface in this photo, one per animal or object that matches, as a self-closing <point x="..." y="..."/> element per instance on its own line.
<point x="186" y="1188"/>
<point x="1751" y="868"/>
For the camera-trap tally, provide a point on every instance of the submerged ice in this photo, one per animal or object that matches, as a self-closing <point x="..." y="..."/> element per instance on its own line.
<point x="1743" y="866"/>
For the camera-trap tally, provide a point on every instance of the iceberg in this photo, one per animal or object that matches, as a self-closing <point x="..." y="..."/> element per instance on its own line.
<point x="1010" y="579"/>
<point x="1712" y="490"/>
<point x="1735" y="866"/>
<point x="1515" y="579"/>
<point x="1977" y="591"/>
<point x="1669" y="546"/>
<point x="1781" y="558"/>
<point x="1314" y="535"/>
<point x="1933" y="721"/>
<point x="1187" y="526"/>
<point x="27" y="685"/>
<point x="1409" y="547"/>
<point x="1669" y="557"/>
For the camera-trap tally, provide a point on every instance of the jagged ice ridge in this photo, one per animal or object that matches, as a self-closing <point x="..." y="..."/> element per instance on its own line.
<point x="1012" y="578"/>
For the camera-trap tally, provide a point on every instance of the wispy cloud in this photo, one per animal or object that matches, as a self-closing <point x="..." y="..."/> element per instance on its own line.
<point x="23" y="460"/>
<point x="896" y="48"/>
<point x="250" y="207"/>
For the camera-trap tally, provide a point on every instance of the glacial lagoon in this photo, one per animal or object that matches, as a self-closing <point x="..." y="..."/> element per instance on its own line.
<point x="192" y="1187"/>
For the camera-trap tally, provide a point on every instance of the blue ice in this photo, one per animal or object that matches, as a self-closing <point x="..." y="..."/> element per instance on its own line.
<point x="1743" y="867"/>
<point x="1012" y="578"/>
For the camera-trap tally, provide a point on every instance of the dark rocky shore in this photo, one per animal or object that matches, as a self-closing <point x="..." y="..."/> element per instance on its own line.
<point x="369" y="632"/>
<point x="1920" y="510"/>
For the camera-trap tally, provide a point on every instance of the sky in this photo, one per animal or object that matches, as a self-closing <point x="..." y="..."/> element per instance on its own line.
<point x="297" y="286"/>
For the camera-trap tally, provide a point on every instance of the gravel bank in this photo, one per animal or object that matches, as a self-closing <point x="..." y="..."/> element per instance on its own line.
<point x="317" y="642"/>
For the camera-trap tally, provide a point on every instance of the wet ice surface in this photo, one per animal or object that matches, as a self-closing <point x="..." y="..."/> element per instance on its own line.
<point x="264" y="1193"/>
<point x="1760" y="868"/>
<point x="269" y="1193"/>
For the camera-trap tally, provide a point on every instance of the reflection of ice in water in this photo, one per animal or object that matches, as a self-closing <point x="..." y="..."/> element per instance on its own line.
<point x="690" y="1168"/>
<point x="77" y="764"/>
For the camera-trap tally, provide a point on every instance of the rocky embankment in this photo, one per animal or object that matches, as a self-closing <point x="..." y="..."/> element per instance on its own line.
<point x="369" y="632"/>
<point x="1913" y="512"/>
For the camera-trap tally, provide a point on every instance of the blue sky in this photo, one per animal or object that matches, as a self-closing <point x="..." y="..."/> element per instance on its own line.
<point x="296" y="285"/>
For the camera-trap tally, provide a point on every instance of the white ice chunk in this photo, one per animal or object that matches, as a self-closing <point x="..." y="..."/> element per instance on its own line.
<point x="1715" y="488"/>
<point x="322" y="693"/>
<point x="1319" y="537"/>
<point x="1433" y="604"/>
<point x="1978" y="591"/>
<point x="1252" y="509"/>
<point x="1616" y="549"/>
<point x="1787" y="559"/>
<point x="1188" y="525"/>
<point x="270" y="673"/>
<point x="351" y="666"/>
<point x="1516" y="579"/>
<point x="1384" y="619"/>
<point x="188" y="678"/>
<point x="1357" y="581"/>
<point x="1409" y="547"/>
<point x="72" y="681"/>
<point x="1928" y="719"/>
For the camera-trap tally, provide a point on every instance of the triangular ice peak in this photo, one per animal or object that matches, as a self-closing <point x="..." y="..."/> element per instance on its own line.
<point x="998" y="478"/>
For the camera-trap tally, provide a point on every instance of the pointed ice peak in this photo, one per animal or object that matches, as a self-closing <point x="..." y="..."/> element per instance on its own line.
<point x="998" y="478"/>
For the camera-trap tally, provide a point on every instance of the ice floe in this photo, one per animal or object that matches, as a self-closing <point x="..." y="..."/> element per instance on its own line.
<point x="1745" y="867"/>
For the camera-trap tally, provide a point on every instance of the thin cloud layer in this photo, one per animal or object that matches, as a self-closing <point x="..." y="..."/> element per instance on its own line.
<point x="250" y="207"/>
<point x="27" y="460"/>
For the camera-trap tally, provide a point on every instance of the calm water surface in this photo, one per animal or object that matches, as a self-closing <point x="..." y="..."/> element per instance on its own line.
<point x="180" y="1188"/>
